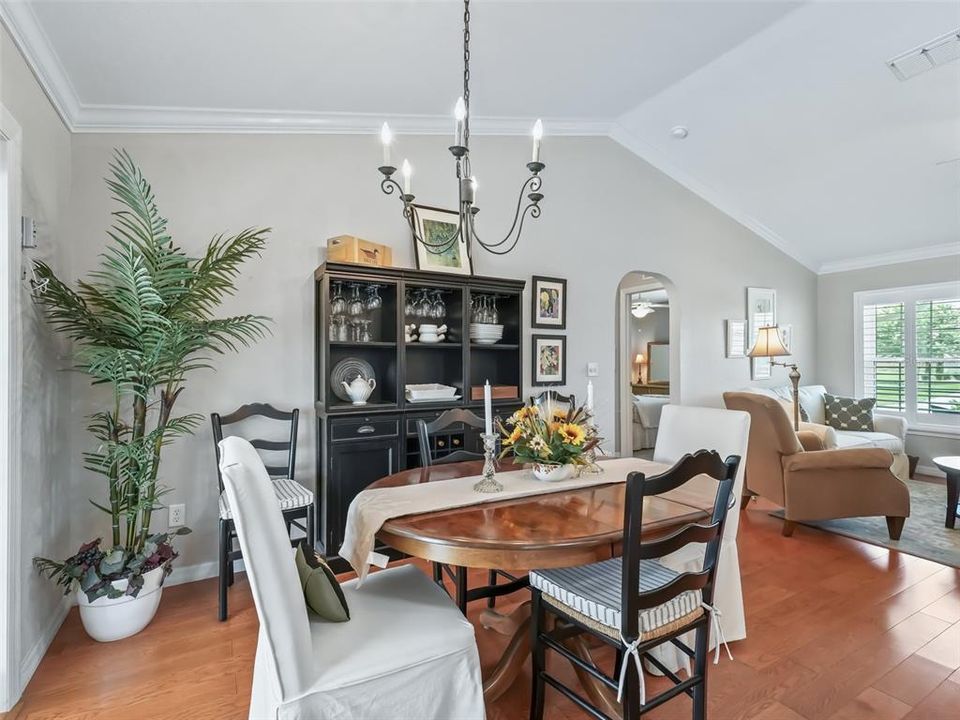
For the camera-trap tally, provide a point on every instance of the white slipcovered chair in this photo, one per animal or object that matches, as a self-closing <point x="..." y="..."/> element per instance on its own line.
<point x="685" y="430"/>
<point x="406" y="653"/>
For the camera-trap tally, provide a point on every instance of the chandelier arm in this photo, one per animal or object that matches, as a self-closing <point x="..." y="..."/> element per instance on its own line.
<point x="534" y="211"/>
<point x="532" y="184"/>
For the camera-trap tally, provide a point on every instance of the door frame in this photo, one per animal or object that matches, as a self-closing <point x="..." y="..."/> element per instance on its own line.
<point x="10" y="410"/>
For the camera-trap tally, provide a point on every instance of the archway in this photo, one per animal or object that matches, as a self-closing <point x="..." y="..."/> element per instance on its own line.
<point x="648" y="358"/>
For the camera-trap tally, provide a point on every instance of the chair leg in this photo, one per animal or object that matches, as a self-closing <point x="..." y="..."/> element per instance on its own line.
<point x="438" y="573"/>
<point x="231" y="563"/>
<point x="895" y="527"/>
<point x="538" y="658"/>
<point x="311" y="525"/>
<point x="224" y="560"/>
<point x="491" y="581"/>
<point x="632" y="708"/>
<point x="701" y="653"/>
<point x="745" y="499"/>
<point x="788" y="527"/>
<point x="462" y="589"/>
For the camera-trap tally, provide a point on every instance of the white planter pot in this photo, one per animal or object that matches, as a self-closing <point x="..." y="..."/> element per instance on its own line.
<point x="106" y="620"/>
<point x="553" y="473"/>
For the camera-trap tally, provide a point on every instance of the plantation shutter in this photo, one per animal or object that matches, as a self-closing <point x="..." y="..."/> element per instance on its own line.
<point x="884" y="366"/>
<point x="938" y="356"/>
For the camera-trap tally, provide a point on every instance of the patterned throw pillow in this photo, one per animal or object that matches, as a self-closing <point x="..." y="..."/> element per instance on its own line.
<point x="849" y="413"/>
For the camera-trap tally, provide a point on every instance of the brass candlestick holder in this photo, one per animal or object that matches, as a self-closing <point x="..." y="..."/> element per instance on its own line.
<point x="488" y="484"/>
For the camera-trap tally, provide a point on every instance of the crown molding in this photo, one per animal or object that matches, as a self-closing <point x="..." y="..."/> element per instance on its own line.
<point x="659" y="160"/>
<point x="145" y="119"/>
<point x="890" y="258"/>
<point x="33" y="43"/>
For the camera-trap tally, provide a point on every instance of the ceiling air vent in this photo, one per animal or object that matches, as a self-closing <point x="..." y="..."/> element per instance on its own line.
<point x="938" y="51"/>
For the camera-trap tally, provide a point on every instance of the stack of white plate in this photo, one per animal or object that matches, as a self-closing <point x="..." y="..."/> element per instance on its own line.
<point x="485" y="333"/>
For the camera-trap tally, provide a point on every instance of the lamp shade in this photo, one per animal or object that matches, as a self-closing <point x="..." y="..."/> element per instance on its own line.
<point x="638" y="359"/>
<point x="769" y="343"/>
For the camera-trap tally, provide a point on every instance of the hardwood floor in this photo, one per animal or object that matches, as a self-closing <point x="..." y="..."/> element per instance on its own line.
<point x="838" y="630"/>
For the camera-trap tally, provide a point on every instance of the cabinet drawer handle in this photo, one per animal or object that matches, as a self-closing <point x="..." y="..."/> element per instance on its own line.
<point x="366" y="429"/>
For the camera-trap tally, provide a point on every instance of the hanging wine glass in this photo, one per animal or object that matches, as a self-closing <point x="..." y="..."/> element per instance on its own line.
<point x="437" y="309"/>
<point x="409" y="308"/>
<point x="337" y="304"/>
<point x="374" y="300"/>
<point x="355" y="306"/>
<point x="423" y="305"/>
<point x="494" y="315"/>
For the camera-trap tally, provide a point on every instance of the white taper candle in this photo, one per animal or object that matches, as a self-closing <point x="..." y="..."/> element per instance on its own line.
<point x="487" y="409"/>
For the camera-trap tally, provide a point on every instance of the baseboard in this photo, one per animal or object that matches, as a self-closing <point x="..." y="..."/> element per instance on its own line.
<point x="191" y="573"/>
<point x="931" y="470"/>
<point x="31" y="661"/>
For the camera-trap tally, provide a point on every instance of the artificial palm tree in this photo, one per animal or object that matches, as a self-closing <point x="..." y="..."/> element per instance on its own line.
<point x="140" y="324"/>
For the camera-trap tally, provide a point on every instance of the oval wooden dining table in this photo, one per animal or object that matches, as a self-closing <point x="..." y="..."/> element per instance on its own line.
<point x="560" y="529"/>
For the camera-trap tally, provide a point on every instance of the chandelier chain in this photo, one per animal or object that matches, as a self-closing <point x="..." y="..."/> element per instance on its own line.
<point x="466" y="71"/>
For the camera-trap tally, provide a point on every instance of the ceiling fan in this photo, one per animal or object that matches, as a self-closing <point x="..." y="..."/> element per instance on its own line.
<point x="642" y="308"/>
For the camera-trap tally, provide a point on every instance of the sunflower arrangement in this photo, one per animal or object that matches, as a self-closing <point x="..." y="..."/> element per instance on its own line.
<point x="548" y="436"/>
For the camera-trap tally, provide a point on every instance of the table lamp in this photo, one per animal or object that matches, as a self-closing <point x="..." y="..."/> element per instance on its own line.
<point x="638" y="361"/>
<point x="770" y="344"/>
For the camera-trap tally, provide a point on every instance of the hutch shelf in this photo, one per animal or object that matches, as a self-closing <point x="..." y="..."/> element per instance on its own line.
<point x="362" y="314"/>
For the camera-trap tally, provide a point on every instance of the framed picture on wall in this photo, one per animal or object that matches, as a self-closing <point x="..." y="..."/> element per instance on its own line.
<point x="549" y="303"/>
<point x="761" y="312"/>
<point x="736" y="338"/>
<point x="549" y="354"/>
<point x="435" y="226"/>
<point x="786" y="332"/>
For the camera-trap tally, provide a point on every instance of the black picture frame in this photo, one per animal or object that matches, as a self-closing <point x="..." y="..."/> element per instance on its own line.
<point x="559" y="285"/>
<point x="538" y="379"/>
<point x="423" y="255"/>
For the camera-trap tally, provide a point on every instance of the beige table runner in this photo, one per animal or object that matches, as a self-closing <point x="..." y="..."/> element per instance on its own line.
<point x="372" y="508"/>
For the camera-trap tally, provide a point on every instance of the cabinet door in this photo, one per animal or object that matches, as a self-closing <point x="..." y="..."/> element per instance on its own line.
<point x="353" y="466"/>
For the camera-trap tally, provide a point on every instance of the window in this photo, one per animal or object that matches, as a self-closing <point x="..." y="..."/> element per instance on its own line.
<point x="908" y="352"/>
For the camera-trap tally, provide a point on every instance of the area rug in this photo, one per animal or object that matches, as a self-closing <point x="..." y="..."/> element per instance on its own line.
<point x="923" y="534"/>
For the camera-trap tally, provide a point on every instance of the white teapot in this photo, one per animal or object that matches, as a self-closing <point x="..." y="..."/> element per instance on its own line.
<point x="359" y="389"/>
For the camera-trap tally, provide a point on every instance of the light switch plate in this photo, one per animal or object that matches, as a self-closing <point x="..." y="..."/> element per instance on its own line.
<point x="593" y="369"/>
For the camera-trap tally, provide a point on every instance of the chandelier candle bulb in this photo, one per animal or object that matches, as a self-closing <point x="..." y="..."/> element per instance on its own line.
<point x="537" y="137"/>
<point x="407" y="173"/>
<point x="386" y="138"/>
<point x="459" y="114"/>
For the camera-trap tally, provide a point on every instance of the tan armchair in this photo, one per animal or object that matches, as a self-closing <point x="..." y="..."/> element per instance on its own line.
<point x="811" y="483"/>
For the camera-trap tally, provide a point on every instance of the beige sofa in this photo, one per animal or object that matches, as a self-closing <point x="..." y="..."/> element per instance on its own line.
<point x="816" y="484"/>
<point x="890" y="432"/>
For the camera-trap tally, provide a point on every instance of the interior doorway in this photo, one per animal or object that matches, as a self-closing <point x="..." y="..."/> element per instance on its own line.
<point x="646" y="357"/>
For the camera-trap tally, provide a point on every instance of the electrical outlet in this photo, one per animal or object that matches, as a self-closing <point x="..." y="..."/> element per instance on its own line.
<point x="178" y="515"/>
<point x="593" y="369"/>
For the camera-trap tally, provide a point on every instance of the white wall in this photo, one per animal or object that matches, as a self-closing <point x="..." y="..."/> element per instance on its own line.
<point x="605" y="212"/>
<point x="835" y="330"/>
<point x="45" y="463"/>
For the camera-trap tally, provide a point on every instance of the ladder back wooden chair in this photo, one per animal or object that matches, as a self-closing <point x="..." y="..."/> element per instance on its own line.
<point x="634" y="603"/>
<point x="426" y="432"/>
<point x="430" y="454"/>
<point x="296" y="501"/>
<point x="557" y="399"/>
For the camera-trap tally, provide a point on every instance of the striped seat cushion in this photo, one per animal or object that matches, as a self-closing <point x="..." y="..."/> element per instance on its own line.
<point x="290" y="494"/>
<point x="593" y="591"/>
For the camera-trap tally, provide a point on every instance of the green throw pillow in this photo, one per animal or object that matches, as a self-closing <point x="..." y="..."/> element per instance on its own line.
<point x="849" y="413"/>
<point x="320" y="587"/>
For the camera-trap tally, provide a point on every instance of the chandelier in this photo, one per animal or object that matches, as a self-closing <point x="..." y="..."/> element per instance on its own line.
<point x="466" y="181"/>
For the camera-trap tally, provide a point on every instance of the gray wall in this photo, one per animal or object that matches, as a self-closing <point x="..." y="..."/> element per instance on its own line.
<point x="605" y="213"/>
<point x="835" y="330"/>
<point x="45" y="473"/>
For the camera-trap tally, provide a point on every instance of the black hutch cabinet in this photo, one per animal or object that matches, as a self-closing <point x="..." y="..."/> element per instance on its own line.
<point x="361" y="316"/>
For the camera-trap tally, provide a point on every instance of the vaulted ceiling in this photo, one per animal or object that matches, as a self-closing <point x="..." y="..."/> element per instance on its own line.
<point x="796" y="126"/>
